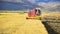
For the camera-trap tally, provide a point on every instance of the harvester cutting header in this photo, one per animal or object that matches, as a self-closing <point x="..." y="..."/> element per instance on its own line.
<point x="34" y="14"/>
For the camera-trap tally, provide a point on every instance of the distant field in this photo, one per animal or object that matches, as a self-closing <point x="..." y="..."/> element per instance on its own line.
<point x="52" y="19"/>
<point x="51" y="15"/>
<point x="12" y="11"/>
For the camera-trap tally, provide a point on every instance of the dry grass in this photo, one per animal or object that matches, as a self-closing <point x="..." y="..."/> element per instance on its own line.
<point x="16" y="23"/>
<point x="52" y="19"/>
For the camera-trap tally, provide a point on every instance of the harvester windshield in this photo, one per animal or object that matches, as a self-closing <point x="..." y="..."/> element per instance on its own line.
<point x="38" y="12"/>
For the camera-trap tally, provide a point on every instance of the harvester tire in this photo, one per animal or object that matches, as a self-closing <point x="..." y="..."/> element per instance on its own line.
<point x="39" y="18"/>
<point x="27" y="18"/>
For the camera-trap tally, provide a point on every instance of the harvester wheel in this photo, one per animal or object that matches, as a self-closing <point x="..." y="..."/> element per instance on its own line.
<point x="27" y="18"/>
<point x="39" y="18"/>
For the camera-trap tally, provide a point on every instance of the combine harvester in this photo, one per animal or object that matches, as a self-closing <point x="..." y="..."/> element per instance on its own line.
<point x="34" y="14"/>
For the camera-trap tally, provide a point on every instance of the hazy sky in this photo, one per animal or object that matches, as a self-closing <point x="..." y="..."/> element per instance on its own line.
<point x="32" y="0"/>
<point x="46" y="0"/>
<point x="47" y="4"/>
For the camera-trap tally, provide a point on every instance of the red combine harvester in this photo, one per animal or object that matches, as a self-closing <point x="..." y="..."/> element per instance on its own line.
<point x="34" y="14"/>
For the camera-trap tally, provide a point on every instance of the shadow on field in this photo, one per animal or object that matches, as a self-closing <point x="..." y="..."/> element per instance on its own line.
<point x="49" y="29"/>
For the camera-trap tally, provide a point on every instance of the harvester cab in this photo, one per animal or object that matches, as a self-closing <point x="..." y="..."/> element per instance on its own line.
<point x="34" y="14"/>
<point x="37" y="12"/>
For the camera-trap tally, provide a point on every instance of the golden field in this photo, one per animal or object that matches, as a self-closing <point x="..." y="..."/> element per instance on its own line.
<point x="16" y="23"/>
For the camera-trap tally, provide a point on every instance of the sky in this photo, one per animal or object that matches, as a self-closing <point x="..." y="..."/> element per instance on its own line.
<point x="46" y="0"/>
<point x="33" y="0"/>
<point x="52" y="5"/>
